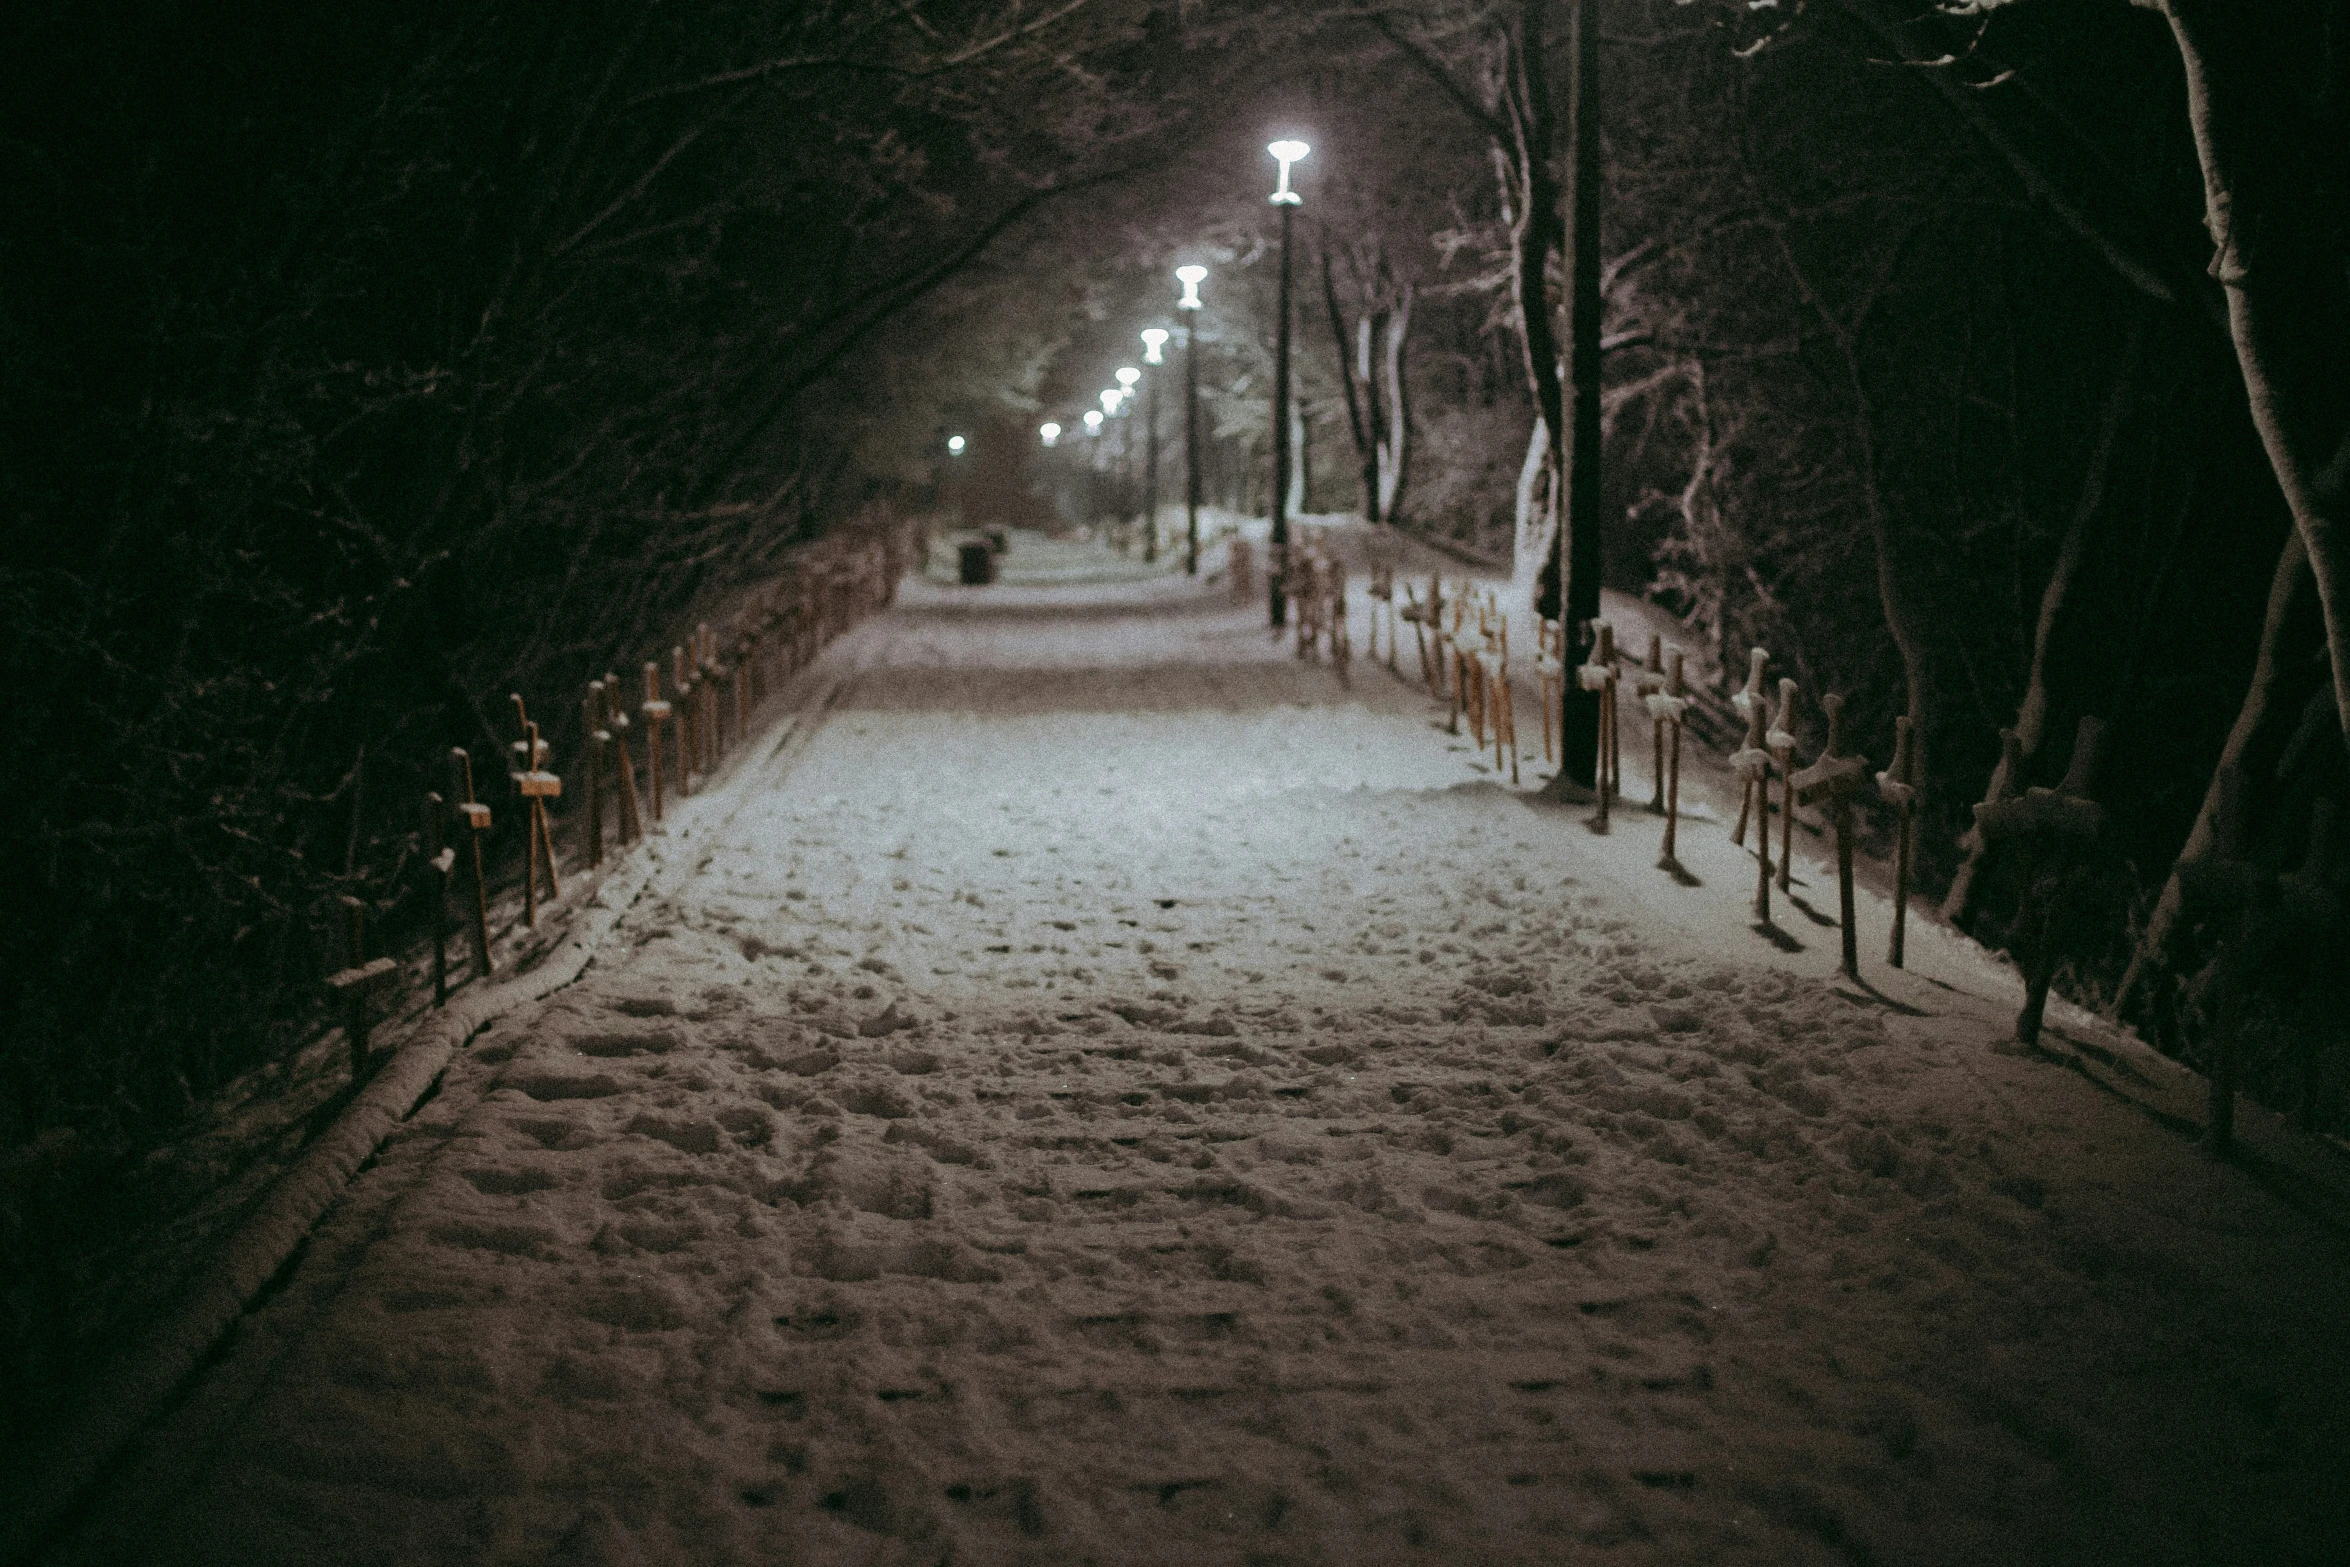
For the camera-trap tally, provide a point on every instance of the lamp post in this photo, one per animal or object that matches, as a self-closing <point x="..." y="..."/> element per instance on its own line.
<point x="1191" y="278"/>
<point x="1277" y="548"/>
<point x="1127" y="376"/>
<point x="955" y="485"/>
<point x="1105" y="460"/>
<point x="1153" y="339"/>
<point x="1049" y="433"/>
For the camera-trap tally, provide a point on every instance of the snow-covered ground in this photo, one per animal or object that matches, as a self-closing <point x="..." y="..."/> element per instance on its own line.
<point x="1116" y="1095"/>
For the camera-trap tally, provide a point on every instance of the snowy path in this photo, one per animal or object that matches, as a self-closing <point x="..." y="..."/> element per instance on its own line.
<point x="1118" y="1097"/>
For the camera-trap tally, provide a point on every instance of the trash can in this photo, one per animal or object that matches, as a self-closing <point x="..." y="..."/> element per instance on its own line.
<point x="975" y="560"/>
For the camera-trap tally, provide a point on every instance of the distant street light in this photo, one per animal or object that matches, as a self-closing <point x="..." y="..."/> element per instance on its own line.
<point x="1093" y="421"/>
<point x="954" y="446"/>
<point x="1288" y="152"/>
<point x="1191" y="278"/>
<point x="1050" y="431"/>
<point x="1277" y="548"/>
<point x="1153" y="339"/>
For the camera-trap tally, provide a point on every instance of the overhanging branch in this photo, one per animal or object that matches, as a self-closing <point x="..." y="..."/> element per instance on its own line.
<point x="853" y="321"/>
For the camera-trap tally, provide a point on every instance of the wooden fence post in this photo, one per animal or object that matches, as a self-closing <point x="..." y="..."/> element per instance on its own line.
<point x="475" y="817"/>
<point x="1836" y="778"/>
<point x="1897" y="788"/>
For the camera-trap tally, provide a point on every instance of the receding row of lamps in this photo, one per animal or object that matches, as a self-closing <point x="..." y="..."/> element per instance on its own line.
<point x="1154" y="339"/>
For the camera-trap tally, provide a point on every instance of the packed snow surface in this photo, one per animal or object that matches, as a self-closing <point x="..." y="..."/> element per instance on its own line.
<point x="1118" y="1094"/>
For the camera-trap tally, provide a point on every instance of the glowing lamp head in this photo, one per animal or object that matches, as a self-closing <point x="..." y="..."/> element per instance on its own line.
<point x="1288" y="152"/>
<point x="1154" y="338"/>
<point x="1191" y="278"/>
<point x="1093" y="421"/>
<point x="1110" y="398"/>
<point x="1127" y="376"/>
<point x="1049" y="432"/>
<point x="954" y="446"/>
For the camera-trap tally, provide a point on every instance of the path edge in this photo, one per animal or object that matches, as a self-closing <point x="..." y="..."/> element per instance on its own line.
<point x="143" y="1380"/>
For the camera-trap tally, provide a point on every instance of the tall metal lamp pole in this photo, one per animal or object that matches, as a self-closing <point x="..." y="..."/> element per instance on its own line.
<point x="1153" y="339"/>
<point x="1127" y="376"/>
<point x="1191" y="278"/>
<point x="1277" y="548"/>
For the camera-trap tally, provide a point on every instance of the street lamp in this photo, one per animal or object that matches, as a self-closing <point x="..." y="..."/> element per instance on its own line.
<point x="1093" y="421"/>
<point x="1050" y="432"/>
<point x="1191" y="278"/>
<point x="1153" y="339"/>
<point x="1127" y="375"/>
<point x="954" y="446"/>
<point x="1277" y="547"/>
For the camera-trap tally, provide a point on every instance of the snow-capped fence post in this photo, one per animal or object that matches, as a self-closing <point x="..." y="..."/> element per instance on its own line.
<point x="1895" y="786"/>
<point x="722" y="683"/>
<point x="1341" y="643"/>
<point x="627" y="827"/>
<point x="1550" y="673"/>
<point x="1434" y="611"/>
<point x="1468" y="642"/>
<point x="2053" y="829"/>
<point x="2228" y="891"/>
<point x="1647" y="682"/>
<point x="745" y="675"/>
<point x="1781" y="740"/>
<point x="1600" y="676"/>
<point x="599" y="741"/>
<point x="476" y="818"/>
<point x="1494" y="662"/>
<point x="1749" y="702"/>
<point x="439" y="861"/>
<point x="1418" y="614"/>
<point x="681" y="681"/>
<point x="1836" y="778"/>
<point x="535" y="786"/>
<point x="713" y="716"/>
<point x="1382" y="594"/>
<point x="1448" y="662"/>
<point x="1303" y="584"/>
<point x="1664" y="712"/>
<point x="656" y="713"/>
<point x="1753" y="764"/>
<point x="697" y="671"/>
<point x="355" y="985"/>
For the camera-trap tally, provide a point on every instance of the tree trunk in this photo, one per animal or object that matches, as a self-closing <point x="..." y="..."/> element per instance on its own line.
<point x="1891" y="599"/>
<point x="2259" y="91"/>
<point x="1300" y="457"/>
<point x="1533" y="538"/>
<point x="1525" y="171"/>
<point x="2288" y="605"/>
<point x="2031" y="718"/>
<point x="1355" y="381"/>
<point x="1397" y="425"/>
<point x="1579" y="465"/>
